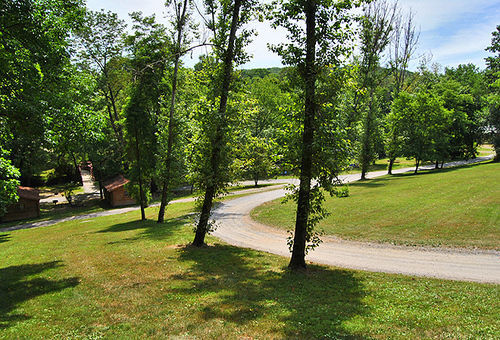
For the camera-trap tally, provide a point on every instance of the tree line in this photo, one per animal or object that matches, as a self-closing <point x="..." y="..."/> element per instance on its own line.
<point x="78" y="85"/>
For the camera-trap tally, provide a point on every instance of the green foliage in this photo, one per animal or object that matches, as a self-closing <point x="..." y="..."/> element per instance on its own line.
<point x="8" y="182"/>
<point x="257" y="159"/>
<point x="68" y="192"/>
<point x="420" y="120"/>
<point x="133" y="191"/>
<point x="33" y="54"/>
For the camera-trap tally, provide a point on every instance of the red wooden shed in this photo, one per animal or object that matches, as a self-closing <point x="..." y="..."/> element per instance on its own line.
<point x="115" y="192"/>
<point x="28" y="205"/>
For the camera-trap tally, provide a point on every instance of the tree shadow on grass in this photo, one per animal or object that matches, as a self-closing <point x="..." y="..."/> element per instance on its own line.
<point x="369" y="183"/>
<point x="310" y="304"/>
<point x="16" y="287"/>
<point x="4" y="238"/>
<point x="150" y="228"/>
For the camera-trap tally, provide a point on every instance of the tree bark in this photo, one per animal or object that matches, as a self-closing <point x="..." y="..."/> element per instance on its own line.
<point x="210" y="191"/>
<point x="141" y="192"/>
<point x="391" y="163"/>
<point x="78" y="174"/>
<point x="297" y="260"/>
<point x="417" y="162"/>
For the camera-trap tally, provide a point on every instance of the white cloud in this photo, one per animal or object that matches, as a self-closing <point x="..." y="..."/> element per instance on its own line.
<point x="433" y="14"/>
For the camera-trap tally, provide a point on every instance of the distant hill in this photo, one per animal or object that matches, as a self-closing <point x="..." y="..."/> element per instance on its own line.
<point x="260" y="72"/>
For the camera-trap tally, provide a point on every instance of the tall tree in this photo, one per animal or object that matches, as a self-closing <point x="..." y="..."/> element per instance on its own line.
<point x="100" y="48"/>
<point x="377" y="26"/>
<point x="226" y="18"/>
<point x="182" y="27"/>
<point x="259" y="152"/>
<point x="403" y="46"/>
<point x="316" y="47"/>
<point x="148" y="49"/>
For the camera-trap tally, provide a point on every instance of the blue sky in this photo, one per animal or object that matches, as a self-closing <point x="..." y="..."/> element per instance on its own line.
<point x="453" y="32"/>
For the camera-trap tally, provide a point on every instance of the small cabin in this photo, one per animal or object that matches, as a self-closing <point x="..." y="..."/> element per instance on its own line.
<point x="115" y="193"/>
<point x="28" y="205"/>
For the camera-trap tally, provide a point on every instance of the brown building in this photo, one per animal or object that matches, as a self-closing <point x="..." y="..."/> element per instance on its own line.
<point x="28" y="205"/>
<point x="115" y="193"/>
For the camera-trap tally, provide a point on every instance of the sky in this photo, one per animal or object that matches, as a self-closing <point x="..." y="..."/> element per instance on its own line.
<point x="452" y="32"/>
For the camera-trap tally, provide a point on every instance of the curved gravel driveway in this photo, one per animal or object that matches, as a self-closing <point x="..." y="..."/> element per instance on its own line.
<point x="237" y="228"/>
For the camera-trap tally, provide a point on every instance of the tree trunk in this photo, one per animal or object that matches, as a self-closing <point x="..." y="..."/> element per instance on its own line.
<point x="437" y="165"/>
<point x="201" y="229"/>
<point x="210" y="191"/>
<point x="78" y="175"/>
<point x="366" y="149"/>
<point x="170" y="140"/>
<point x="391" y="163"/>
<point x="417" y="162"/>
<point x="297" y="260"/>
<point x="141" y="192"/>
<point x="100" y="189"/>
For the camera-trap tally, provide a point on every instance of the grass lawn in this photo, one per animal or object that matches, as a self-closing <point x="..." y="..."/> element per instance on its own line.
<point x="456" y="207"/>
<point x="116" y="277"/>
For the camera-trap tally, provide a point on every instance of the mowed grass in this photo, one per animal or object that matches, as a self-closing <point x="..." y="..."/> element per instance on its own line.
<point x="116" y="277"/>
<point x="456" y="207"/>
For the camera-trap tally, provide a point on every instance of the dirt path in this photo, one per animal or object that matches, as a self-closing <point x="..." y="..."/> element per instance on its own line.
<point x="89" y="186"/>
<point x="237" y="228"/>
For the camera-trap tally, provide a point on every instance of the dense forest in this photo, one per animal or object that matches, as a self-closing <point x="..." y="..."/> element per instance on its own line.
<point x="79" y="85"/>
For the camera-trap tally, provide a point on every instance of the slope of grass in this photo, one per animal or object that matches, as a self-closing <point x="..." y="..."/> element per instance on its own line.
<point x="116" y="277"/>
<point x="458" y="207"/>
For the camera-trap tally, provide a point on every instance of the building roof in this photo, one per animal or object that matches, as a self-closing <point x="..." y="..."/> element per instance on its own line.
<point x="28" y="193"/>
<point x="115" y="183"/>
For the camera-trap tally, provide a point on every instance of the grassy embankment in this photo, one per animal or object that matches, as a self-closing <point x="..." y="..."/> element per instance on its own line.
<point x="456" y="207"/>
<point x="117" y="277"/>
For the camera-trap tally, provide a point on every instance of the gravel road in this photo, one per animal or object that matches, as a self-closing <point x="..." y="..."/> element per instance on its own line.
<point x="237" y="228"/>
